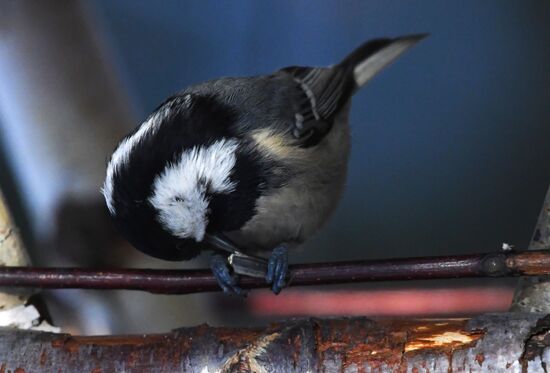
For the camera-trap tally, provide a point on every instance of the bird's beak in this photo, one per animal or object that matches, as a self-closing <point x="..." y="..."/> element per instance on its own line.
<point x="199" y="235"/>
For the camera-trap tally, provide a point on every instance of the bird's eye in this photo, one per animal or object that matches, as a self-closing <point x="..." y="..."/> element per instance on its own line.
<point x="179" y="199"/>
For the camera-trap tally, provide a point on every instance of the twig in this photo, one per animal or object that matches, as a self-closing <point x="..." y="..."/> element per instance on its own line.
<point x="499" y="264"/>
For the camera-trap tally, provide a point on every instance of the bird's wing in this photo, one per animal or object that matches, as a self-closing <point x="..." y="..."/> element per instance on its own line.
<point x="325" y="91"/>
<point x="321" y="93"/>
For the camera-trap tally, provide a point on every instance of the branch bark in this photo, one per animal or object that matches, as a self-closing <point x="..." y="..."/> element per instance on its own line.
<point x="495" y="342"/>
<point x="12" y="253"/>
<point x="533" y="294"/>
<point x="499" y="264"/>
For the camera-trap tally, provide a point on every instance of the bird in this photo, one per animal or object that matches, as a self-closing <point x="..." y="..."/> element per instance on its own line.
<point x="253" y="165"/>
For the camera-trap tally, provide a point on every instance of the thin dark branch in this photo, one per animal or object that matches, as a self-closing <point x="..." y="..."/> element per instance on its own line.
<point x="499" y="264"/>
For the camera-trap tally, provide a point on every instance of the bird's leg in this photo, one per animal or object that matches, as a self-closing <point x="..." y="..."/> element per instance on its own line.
<point x="225" y="270"/>
<point x="226" y="279"/>
<point x="277" y="268"/>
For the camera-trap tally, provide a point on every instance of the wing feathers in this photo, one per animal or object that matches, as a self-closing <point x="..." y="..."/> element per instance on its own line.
<point x="326" y="90"/>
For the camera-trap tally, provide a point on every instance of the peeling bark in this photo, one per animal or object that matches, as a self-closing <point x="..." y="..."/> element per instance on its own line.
<point x="12" y="253"/>
<point x="496" y="342"/>
<point x="533" y="294"/>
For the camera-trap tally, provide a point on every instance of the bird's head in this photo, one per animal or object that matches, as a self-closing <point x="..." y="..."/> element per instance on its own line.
<point x="171" y="181"/>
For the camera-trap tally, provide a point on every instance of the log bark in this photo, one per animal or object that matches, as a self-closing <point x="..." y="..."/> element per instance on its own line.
<point x="12" y="253"/>
<point x="497" y="342"/>
<point x="533" y="294"/>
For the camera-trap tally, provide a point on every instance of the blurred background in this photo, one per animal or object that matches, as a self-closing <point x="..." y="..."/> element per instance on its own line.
<point x="450" y="144"/>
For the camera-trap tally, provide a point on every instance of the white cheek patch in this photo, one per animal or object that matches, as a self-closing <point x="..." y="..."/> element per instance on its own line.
<point x="122" y="153"/>
<point x="179" y="191"/>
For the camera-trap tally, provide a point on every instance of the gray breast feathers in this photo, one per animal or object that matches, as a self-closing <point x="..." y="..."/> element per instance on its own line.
<point x="292" y="213"/>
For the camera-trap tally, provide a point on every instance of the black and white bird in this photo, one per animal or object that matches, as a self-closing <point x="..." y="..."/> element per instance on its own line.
<point x="252" y="164"/>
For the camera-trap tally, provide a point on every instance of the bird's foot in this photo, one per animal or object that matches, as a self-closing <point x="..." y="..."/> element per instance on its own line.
<point x="277" y="268"/>
<point x="226" y="279"/>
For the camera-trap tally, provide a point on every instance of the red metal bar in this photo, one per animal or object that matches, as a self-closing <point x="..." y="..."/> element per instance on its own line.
<point x="400" y="302"/>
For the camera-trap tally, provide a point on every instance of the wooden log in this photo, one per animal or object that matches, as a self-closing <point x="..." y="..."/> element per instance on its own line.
<point x="497" y="342"/>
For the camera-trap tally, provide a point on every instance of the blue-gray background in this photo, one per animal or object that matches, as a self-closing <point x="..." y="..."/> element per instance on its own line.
<point x="450" y="144"/>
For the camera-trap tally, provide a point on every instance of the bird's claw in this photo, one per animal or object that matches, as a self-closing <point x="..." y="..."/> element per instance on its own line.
<point x="226" y="280"/>
<point x="277" y="268"/>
